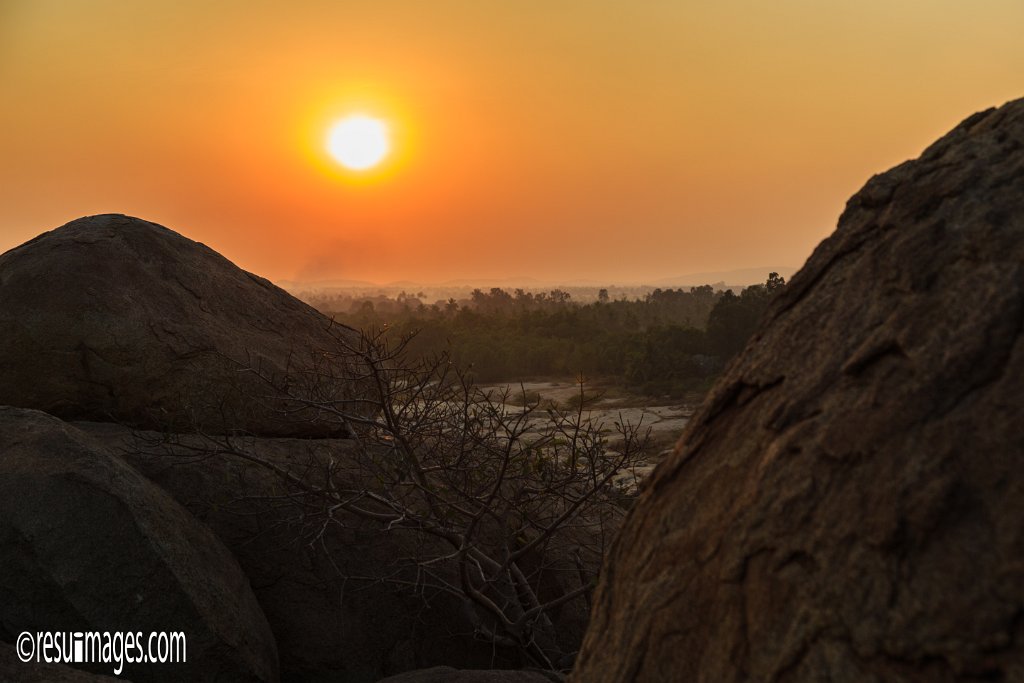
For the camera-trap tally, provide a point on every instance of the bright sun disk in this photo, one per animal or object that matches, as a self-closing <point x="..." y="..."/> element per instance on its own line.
<point x="358" y="142"/>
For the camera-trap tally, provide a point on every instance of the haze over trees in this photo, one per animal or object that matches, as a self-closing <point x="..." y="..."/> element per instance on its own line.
<point x="668" y="341"/>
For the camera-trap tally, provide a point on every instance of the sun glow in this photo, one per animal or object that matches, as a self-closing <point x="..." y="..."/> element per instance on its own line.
<point x="359" y="142"/>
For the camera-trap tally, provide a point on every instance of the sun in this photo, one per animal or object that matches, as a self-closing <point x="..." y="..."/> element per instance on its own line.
<point x="359" y="142"/>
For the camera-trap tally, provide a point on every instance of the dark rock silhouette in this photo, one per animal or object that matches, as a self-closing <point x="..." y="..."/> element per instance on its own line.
<point x="114" y="318"/>
<point x="128" y="331"/>
<point x="91" y="545"/>
<point x="848" y="504"/>
<point x="327" y="627"/>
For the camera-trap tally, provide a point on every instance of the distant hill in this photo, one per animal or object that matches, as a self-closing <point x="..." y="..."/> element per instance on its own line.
<point x="296" y="285"/>
<point x="740" y="277"/>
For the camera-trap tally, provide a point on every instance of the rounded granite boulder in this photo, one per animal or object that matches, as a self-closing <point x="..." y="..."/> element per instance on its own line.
<point x="113" y="318"/>
<point x="90" y="545"/>
<point x="848" y="504"/>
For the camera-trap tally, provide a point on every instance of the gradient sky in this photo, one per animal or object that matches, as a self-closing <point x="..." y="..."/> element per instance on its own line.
<point x="556" y="139"/>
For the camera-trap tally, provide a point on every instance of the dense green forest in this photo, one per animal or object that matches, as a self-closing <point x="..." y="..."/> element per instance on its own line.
<point x="670" y="341"/>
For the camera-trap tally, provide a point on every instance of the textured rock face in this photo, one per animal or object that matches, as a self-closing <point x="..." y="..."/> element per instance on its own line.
<point x="115" y="318"/>
<point x="90" y="545"/>
<point x="848" y="504"/>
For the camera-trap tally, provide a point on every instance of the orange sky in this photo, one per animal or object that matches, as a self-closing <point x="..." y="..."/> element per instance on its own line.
<point x="556" y="139"/>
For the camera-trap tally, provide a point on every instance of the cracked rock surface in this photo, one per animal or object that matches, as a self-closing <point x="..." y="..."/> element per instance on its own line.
<point x="113" y="318"/>
<point x="848" y="503"/>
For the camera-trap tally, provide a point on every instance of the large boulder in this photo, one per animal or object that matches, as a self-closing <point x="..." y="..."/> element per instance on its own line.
<point x="848" y="504"/>
<point x="340" y="598"/>
<point x="91" y="545"/>
<point x="115" y="318"/>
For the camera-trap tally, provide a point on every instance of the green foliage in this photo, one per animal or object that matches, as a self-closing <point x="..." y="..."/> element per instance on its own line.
<point x="671" y="341"/>
<point x="735" y="318"/>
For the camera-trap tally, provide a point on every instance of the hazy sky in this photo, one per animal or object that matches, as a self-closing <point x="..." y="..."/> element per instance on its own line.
<point x="558" y="139"/>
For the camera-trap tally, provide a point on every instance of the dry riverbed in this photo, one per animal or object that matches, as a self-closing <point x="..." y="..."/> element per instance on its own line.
<point x="607" y="405"/>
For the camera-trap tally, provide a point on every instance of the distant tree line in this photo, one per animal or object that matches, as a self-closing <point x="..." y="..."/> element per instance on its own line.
<point x="670" y="341"/>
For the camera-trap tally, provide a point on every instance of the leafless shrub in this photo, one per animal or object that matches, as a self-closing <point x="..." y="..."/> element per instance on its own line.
<point x="507" y="507"/>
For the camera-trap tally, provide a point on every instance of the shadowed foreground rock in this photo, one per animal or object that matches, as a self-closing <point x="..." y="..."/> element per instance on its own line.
<point x="446" y="674"/>
<point x="328" y="627"/>
<point x="91" y="545"/>
<point x="114" y="318"/>
<point x="848" y="504"/>
<point x="13" y="669"/>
